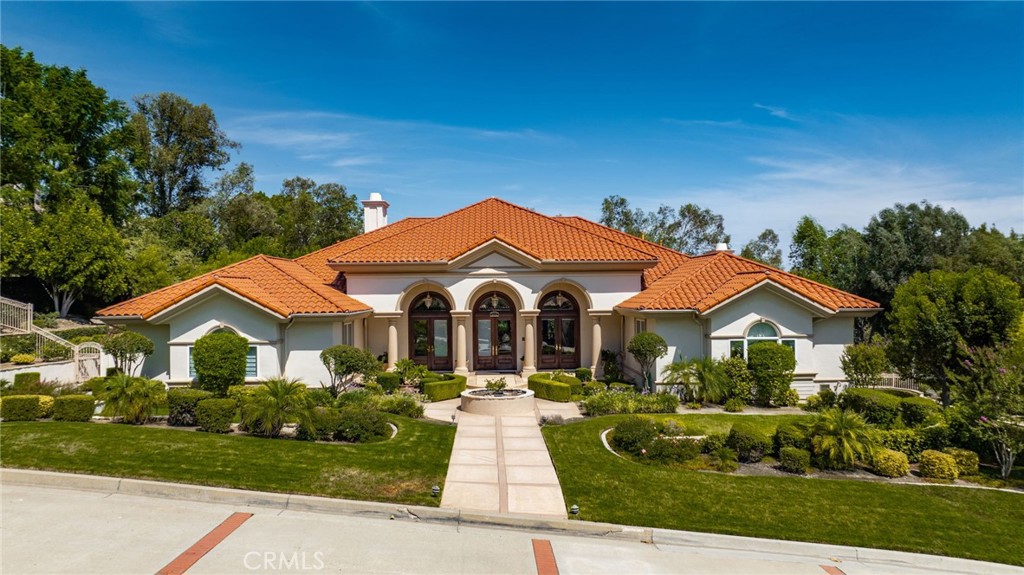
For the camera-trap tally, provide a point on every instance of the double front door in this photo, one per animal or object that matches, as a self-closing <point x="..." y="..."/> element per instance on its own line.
<point x="495" y="343"/>
<point x="559" y="343"/>
<point x="429" y="343"/>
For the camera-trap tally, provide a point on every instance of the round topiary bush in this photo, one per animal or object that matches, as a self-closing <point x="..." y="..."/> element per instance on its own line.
<point x="734" y="405"/>
<point x="219" y="360"/>
<point x="966" y="460"/>
<point x="634" y="434"/>
<point x="749" y="443"/>
<point x="361" y="426"/>
<point x="890" y="463"/>
<point x="915" y="410"/>
<point x="181" y="406"/>
<point x="794" y="459"/>
<point x="215" y="415"/>
<point x="938" y="465"/>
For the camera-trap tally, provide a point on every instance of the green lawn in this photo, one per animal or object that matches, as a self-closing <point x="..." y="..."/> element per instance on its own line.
<point x="960" y="522"/>
<point x="400" y="470"/>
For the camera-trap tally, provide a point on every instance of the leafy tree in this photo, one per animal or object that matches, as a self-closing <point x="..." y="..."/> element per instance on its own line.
<point x="276" y="402"/>
<point x="129" y="349"/>
<point x="646" y="348"/>
<point x="864" y="364"/>
<point x="247" y="217"/>
<point x="690" y="229"/>
<point x="809" y="251"/>
<point x="764" y="249"/>
<point x="314" y="215"/>
<point x="72" y="249"/>
<point x="133" y="399"/>
<point x="174" y="143"/>
<point x="62" y="135"/>
<point x="771" y="369"/>
<point x="343" y="362"/>
<point x="189" y="230"/>
<point x="219" y="360"/>
<point x="935" y="315"/>
<point x="839" y="438"/>
<point x="989" y="248"/>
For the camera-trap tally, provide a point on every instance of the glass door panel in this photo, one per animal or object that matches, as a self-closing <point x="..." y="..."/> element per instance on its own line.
<point x="568" y="336"/>
<point x="483" y="337"/>
<point x="420" y="339"/>
<point x="440" y="338"/>
<point x="547" y="337"/>
<point x="504" y="337"/>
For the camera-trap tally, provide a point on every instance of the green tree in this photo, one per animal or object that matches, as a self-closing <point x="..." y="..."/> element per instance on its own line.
<point x="864" y="364"/>
<point x="312" y="216"/>
<point x="129" y="350"/>
<point x="936" y="315"/>
<point x="771" y="369"/>
<point x="690" y="229"/>
<point x="764" y="249"/>
<point x="344" y="362"/>
<point x="839" y="438"/>
<point x="219" y="360"/>
<point x="61" y="135"/>
<point x="646" y="348"/>
<point x="809" y="250"/>
<point x="174" y="143"/>
<point x="989" y="248"/>
<point x="246" y="217"/>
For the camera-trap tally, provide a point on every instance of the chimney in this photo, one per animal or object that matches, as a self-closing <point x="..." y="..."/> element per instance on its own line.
<point x="375" y="213"/>
<point x="722" y="247"/>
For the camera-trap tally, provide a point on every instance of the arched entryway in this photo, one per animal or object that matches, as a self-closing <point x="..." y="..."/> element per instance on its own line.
<point x="430" y="328"/>
<point x="494" y="323"/>
<point x="558" y="344"/>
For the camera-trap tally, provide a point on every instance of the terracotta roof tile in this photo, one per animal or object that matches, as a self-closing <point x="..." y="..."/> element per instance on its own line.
<point x="702" y="282"/>
<point x="447" y="237"/>
<point x="316" y="262"/>
<point x="668" y="259"/>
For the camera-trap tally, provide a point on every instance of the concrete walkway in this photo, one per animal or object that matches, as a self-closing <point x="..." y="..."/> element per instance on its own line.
<point x="501" y="465"/>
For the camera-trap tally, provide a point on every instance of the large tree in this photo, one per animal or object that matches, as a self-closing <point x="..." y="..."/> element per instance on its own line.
<point x="937" y="315"/>
<point x="809" y="250"/>
<point x="764" y="248"/>
<point x="61" y="135"/>
<point x="314" y="215"/>
<point x="690" y="229"/>
<point x="174" y="143"/>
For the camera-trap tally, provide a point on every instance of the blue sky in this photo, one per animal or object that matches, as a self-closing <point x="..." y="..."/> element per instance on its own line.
<point x="762" y="112"/>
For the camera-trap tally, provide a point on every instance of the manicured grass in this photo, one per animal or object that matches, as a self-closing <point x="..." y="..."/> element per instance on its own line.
<point x="960" y="522"/>
<point x="400" y="470"/>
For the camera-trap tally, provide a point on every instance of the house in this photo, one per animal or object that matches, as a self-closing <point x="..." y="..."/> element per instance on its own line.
<point x="493" y="287"/>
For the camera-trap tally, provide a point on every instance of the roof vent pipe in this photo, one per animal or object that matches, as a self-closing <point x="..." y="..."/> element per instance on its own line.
<point x="375" y="212"/>
<point x="722" y="247"/>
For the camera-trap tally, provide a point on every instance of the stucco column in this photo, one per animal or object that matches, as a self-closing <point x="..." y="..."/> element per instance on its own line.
<point x="595" y="353"/>
<point x="529" y="341"/>
<point x="460" y="340"/>
<point x="392" y="342"/>
<point x="358" y="335"/>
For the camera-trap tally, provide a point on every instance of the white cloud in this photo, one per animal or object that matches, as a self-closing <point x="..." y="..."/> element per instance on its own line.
<point x="776" y="111"/>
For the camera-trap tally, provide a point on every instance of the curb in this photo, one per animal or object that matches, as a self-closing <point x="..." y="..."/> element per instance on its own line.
<point x="668" y="537"/>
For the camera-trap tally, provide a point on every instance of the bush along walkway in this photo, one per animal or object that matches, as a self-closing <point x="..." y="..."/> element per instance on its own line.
<point x="501" y="465"/>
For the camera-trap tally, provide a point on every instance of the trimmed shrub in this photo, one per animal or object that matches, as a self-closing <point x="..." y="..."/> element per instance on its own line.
<point x="401" y="404"/>
<point x="966" y="460"/>
<point x="96" y="386"/>
<point x="915" y="410"/>
<point x="672" y="450"/>
<point x="712" y="442"/>
<point x="241" y="393"/>
<point x="219" y="360"/>
<point x="771" y="367"/>
<point x="812" y="403"/>
<point x="321" y="425"/>
<point x="612" y="402"/>
<point x="790" y="435"/>
<point x="214" y="415"/>
<point x="74" y="408"/>
<point x="890" y="463"/>
<point x="794" y="460"/>
<point x="361" y="398"/>
<point x="875" y="406"/>
<point x="938" y="465"/>
<point x="575" y="385"/>
<point x="936" y="437"/>
<point x="634" y="434"/>
<point x="389" y="381"/>
<point x="734" y="405"/>
<point x="750" y="444"/>
<point x="546" y="388"/>
<point x="584" y="374"/>
<point x="181" y="405"/>
<point x="26" y="379"/>
<point x="791" y="398"/>
<point x="320" y="397"/>
<point x="592" y="387"/>
<point x="23" y="359"/>
<point x="828" y="397"/>
<point x="45" y="406"/>
<point x="361" y="426"/>
<point x="907" y="441"/>
<point x="741" y="384"/>
<point x="20" y="408"/>
<point x="447" y="388"/>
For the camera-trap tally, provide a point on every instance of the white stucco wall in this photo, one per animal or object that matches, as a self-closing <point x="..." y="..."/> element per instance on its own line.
<point x="683" y="336"/>
<point x="305" y="339"/>
<point x="158" y="365"/>
<point x="831" y="336"/>
<point x="791" y="320"/>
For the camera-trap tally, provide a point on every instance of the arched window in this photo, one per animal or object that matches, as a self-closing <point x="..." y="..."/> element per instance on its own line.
<point x="557" y="302"/>
<point x="222" y="329"/>
<point x="430" y="302"/>
<point x="429" y="330"/>
<point x="495" y="303"/>
<point x="251" y="355"/>
<point x="761" y="331"/>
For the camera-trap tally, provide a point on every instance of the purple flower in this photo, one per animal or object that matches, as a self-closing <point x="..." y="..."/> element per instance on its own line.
<point x="968" y="363"/>
<point x="1002" y="371"/>
<point x="984" y="419"/>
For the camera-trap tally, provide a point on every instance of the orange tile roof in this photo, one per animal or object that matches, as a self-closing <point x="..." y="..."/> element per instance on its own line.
<point x="281" y="285"/>
<point x="668" y="259"/>
<point x="447" y="237"/>
<point x="704" y="281"/>
<point x="316" y="262"/>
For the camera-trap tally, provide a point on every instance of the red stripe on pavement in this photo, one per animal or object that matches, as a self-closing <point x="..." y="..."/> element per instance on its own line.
<point x="832" y="570"/>
<point x="194" y="553"/>
<point x="545" y="557"/>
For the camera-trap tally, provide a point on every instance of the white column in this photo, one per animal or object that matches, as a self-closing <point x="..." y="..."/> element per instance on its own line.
<point x="460" y="341"/>
<point x="595" y="358"/>
<point x="529" y="341"/>
<point x="392" y="342"/>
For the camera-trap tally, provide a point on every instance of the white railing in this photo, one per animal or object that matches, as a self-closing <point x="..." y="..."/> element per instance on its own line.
<point x="897" y="381"/>
<point x="15" y="316"/>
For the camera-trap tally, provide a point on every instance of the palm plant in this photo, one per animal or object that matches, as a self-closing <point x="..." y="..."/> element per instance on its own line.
<point x="133" y="399"/>
<point x="701" y="379"/>
<point x="841" y="437"/>
<point x="276" y="402"/>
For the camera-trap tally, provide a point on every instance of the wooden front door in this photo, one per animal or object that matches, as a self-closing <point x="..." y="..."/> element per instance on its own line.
<point x="558" y="346"/>
<point x="430" y="328"/>
<point x="494" y="323"/>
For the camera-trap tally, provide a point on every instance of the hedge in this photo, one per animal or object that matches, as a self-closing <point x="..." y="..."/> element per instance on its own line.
<point x="181" y="405"/>
<point x="26" y="378"/>
<point x="916" y="410"/>
<point x="874" y="405"/>
<point x="20" y="408"/>
<point x="574" y="383"/>
<point x="966" y="460"/>
<point x="749" y="443"/>
<point x="544" y="387"/>
<point x="74" y="408"/>
<point x="938" y="465"/>
<point x="889" y="463"/>
<point x="794" y="459"/>
<point x="445" y="389"/>
<point x="215" y="415"/>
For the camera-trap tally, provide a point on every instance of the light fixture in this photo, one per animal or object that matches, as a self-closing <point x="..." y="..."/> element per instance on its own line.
<point x="575" y="509"/>
<point x="559" y="299"/>
<point x="429" y="300"/>
<point x="494" y="299"/>
<point x="435" y="490"/>
<point x="453" y="419"/>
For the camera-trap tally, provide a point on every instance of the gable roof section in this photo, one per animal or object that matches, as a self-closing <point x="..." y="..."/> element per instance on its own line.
<point x="708" y="280"/>
<point x="447" y="237"/>
<point x="316" y="262"/>
<point x="668" y="259"/>
<point x="280" y="285"/>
